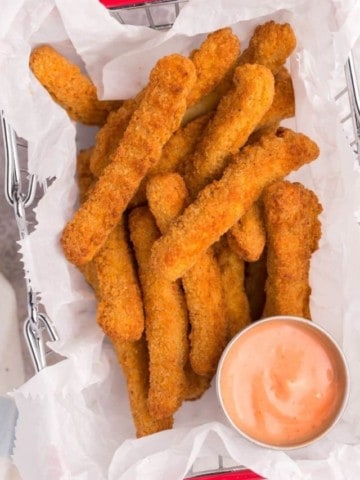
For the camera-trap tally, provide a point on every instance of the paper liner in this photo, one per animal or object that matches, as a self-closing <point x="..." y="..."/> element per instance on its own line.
<point x="74" y="419"/>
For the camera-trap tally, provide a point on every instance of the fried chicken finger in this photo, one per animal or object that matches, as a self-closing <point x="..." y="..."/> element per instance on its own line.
<point x="283" y="105"/>
<point x="238" y="113"/>
<point x="290" y="212"/>
<point x="166" y="322"/>
<point x="157" y="117"/>
<point x="270" y="45"/>
<point x="232" y="270"/>
<point x="120" y="311"/>
<point x="69" y="87"/>
<point x="216" y="55"/>
<point x="223" y="202"/>
<point x="112" y="274"/>
<point x="134" y="361"/>
<point x="167" y="196"/>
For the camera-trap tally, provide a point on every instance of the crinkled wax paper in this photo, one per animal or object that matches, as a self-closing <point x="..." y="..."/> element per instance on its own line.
<point x="74" y="419"/>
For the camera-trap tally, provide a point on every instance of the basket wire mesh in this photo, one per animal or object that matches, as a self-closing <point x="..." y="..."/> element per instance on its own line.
<point x="20" y="191"/>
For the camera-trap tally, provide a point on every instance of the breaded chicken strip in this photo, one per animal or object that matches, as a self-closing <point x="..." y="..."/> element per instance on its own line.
<point x="157" y="117"/>
<point x="255" y="278"/>
<point x="166" y="322"/>
<point x="70" y="88"/>
<point x="290" y="212"/>
<point x="215" y="57"/>
<point x="247" y="237"/>
<point x="283" y="105"/>
<point x="134" y="361"/>
<point x="232" y="270"/>
<point x="167" y="196"/>
<point x="270" y="45"/>
<point x="223" y="202"/>
<point x="251" y="226"/>
<point x="120" y="310"/>
<point x="108" y="137"/>
<point x="112" y="274"/>
<point x="238" y="113"/>
<point x="174" y="153"/>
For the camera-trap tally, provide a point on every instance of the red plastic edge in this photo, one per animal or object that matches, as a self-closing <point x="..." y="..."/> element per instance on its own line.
<point x="122" y="3"/>
<point x="240" y="475"/>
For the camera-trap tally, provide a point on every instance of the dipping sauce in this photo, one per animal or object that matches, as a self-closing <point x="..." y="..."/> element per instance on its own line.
<point x="282" y="382"/>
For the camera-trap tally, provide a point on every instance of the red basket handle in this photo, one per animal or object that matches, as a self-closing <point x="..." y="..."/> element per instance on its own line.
<point x="122" y="3"/>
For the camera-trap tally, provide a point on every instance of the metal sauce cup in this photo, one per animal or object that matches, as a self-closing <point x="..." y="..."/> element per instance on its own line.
<point x="230" y="373"/>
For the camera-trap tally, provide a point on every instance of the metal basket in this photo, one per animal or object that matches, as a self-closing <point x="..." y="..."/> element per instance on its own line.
<point x="20" y="192"/>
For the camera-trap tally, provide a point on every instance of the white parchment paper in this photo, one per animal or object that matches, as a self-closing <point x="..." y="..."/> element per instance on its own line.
<point x="74" y="420"/>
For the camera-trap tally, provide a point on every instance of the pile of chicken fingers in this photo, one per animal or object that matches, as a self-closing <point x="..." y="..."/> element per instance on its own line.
<point x="186" y="228"/>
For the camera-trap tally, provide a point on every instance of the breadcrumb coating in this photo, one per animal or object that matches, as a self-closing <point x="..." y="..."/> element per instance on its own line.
<point x="270" y="45"/>
<point x="120" y="309"/>
<point x="237" y="115"/>
<point x="167" y="196"/>
<point x="223" y="202"/>
<point x="166" y="322"/>
<point x="157" y="117"/>
<point x="70" y="88"/>
<point x="134" y="361"/>
<point x="293" y="230"/>
<point x="232" y="270"/>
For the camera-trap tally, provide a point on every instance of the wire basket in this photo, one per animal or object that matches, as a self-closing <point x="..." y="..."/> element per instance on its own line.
<point x="21" y="188"/>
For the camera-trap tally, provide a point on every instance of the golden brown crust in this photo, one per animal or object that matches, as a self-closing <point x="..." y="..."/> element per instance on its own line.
<point x="216" y="55"/>
<point x="270" y="45"/>
<point x="283" y="105"/>
<point x="232" y="270"/>
<point x="289" y="212"/>
<point x="109" y="136"/>
<point x="237" y="115"/>
<point x="73" y="90"/>
<point x="174" y="154"/>
<point x="223" y="202"/>
<point x="166" y="322"/>
<point x="157" y="117"/>
<point x="204" y="297"/>
<point x="133" y="358"/>
<point x="120" y="310"/>
<point x="247" y="237"/>
<point x="167" y="196"/>
<point x="180" y="144"/>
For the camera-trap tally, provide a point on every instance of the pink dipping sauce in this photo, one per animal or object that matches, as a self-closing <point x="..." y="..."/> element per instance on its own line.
<point x="282" y="382"/>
